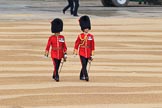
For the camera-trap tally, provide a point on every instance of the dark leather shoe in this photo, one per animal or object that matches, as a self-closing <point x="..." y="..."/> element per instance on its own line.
<point x="76" y="15"/>
<point x="82" y="78"/>
<point x="87" y="78"/>
<point x="53" y="76"/>
<point x="57" y="79"/>
<point x="63" y="12"/>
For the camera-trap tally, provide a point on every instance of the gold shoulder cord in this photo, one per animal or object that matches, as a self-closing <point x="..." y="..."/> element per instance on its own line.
<point x="83" y="40"/>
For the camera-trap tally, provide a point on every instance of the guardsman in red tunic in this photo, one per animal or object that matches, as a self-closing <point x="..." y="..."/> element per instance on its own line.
<point x="58" y="46"/>
<point x="86" y="46"/>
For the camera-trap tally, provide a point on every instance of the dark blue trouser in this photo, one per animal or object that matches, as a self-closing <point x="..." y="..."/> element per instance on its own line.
<point x="83" y="72"/>
<point x="56" y="63"/>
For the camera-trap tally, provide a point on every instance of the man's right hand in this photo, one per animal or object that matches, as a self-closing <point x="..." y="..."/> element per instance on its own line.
<point x="91" y="58"/>
<point x="65" y="57"/>
<point x="46" y="53"/>
<point x="75" y="52"/>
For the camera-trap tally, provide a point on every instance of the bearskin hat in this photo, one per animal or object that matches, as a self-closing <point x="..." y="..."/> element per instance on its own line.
<point x="85" y="22"/>
<point x="56" y="25"/>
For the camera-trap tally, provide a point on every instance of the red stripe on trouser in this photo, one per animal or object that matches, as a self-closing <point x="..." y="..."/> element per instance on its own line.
<point x="54" y="65"/>
<point x="82" y="67"/>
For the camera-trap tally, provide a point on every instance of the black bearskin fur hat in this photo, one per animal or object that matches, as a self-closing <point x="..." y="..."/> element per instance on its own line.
<point x="56" y="25"/>
<point x="85" y="22"/>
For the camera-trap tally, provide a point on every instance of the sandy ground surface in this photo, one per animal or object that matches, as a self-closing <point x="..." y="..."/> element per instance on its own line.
<point x="126" y="71"/>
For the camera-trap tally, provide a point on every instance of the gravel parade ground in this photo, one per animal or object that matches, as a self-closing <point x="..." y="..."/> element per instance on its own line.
<point x="126" y="71"/>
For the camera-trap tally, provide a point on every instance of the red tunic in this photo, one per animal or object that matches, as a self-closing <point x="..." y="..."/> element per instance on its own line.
<point x="58" y="46"/>
<point x="85" y="44"/>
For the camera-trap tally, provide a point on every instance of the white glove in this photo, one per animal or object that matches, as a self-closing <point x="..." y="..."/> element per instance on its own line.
<point x="65" y="56"/>
<point x="46" y="53"/>
<point x="91" y="58"/>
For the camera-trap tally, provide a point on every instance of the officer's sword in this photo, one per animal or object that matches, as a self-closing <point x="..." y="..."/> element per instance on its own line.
<point x="89" y="66"/>
<point x="62" y="63"/>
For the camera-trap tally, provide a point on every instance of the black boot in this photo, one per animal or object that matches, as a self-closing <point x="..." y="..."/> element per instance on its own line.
<point x="53" y="76"/>
<point x="82" y="77"/>
<point x="57" y="79"/>
<point x="63" y="12"/>
<point x="87" y="78"/>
